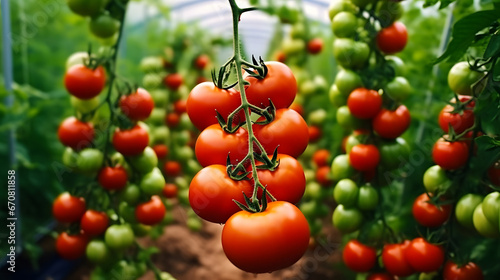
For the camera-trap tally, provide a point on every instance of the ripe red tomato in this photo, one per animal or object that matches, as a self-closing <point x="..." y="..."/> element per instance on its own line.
<point x="76" y="134"/>
<point x="494" y="174"/>
<point x="287" y="182"/>
<point x="391" y="124"/>
<point x="173" y="81"/>
<point x="280" y="56"/>
<point x="459" y="121"/>
<point x="94" y="223"/>
<point x="283" y="232"/>
<point x="364" y="157"/>
<point x="364" y="103"/>
<point x="424" y="256"/>
<point x="298" y="108"/>
<point x="113" y="178"/>
<point x="321" y="157"/>
<point x="470" y="270"/>
<point x="380" y="276"/>
<point x="172" y="119"/>
<point x="71" y="247"/>
<point x="84" y="83"/>
<point x="161" y="151"/>
<point x="131" y="142"/>
<point x="67" y="208"/>
<point x="359" y="257"/>
<point x="180" y="106"/>
<point x="314" y="134"/>
<point x="150" y="212"/>
<point x="138" y="105"/>
<point x="211" y="194"/>
<point x="279" y="85"/>
<point x="288" y="130"/>
<point x="323" y="175"/>
<point x="430" y="215"/>
<point x="201" y="61"/>
<point x="214" y="145"/>
<point x="206" y="98"/>
<point x="395" y="262"/>
<point x="315" y="45"/>
<point x="392" y="39"/>
<point x="170" y="190"/>
<point x="450" y="155"/>
<point x="172" y="168"/>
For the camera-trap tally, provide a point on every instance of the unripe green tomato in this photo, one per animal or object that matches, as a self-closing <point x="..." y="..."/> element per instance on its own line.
<point x="483" y="225"/>
<point x="119" y="236"/>
<point x="153" y="182"/>
<point x="465" y="207"/>
<point x="293" y="46"/>
<point x="315" y="225"/>
<point x="192" y="167"/>
<point x="307" y="88"/>
<point x="110" y="41"/>
<point x="435" y="179"/>
<point x="182" y="154"/>
<point x="129" y="269"/>
<point x="389" y="11"/>
<point x="85" y="8"/>
<point x="89" y="161"/>
<point x="166" y="276"/>
<point x="119" y="159"/>
<point x="351" y="141"/>
<point x="84" y="106"/>
<point x="346" y="192"/>
<point x="101" y="118"/>
<point x="317" y="117"/>
<point x="347" y="220"/>
<point x="374" y="231"/>
<point x="394" y="153"/>
<point x="367" y="198"/>
<point x="298" y="31"/>
<point x="301" y="76"/>
<point x="344" y="25"/>
<point x="144" y="162"/>
<point x="321" y="84"/>
<point x="350" y="54"/>
<point x="194" y="223"/>
<point x="309" y="173"/>
<point x="181" y="138"/>
<point x="398" y="89"/>
<point x="341" y="168"/>
<point x="185" y="123"/>
<point x="361" y="3"/>
<point x="70" y="157"/>
<point x="152" y="80"/>
<point x="104" y="26"/>
<point x="157" y="116"/>
<point x="183" y="196"/>
<point x="131" y="194"/>
<point x="337" y="6"/>
<point x="347" y="81"/>
<point x="397" y="64"/>
<point x="491" y="207"/>
<point x="151" y="64"/>
<point x="141" y="267"/>
<point x="160" y="97"/>
<point x="97" y="252"/>
<point x="347" y="120"/>
<point x="144" y="126"/>
<point x="461" y="78"/>
<point x="314" y="191"/>
<point x="288" y="15"/>
<point x="336" y="98"/>
<point x="314" y="208"/>
<point x="141" y="230"/>
<point x="160" y="135"/>
<point x="127" y="212"/>
<point x="181" y="182"/>
<point x="77" y="58"/>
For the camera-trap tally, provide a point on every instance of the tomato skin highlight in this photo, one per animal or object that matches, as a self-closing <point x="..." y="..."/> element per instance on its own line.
<point x="424" y="256"/>
<point x="364" y="103"/>
<point x="392" y="39"/>
<point x="450" y="155"/>
<point x="282" y="238"/>
<point x="84" y="83"/>
<point x="468" y="271"/>
<point x="359" y="257"/>
<point x="391" y="124"/>
<point x="75" y="133"/>
<point x="430" y="215"/>
<point x="395" y="262"/>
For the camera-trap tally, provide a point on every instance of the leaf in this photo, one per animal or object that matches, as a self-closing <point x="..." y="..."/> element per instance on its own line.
<point x="464" y="32"/>
<point x="493" y="48"/>
<point x="429" y="3"/>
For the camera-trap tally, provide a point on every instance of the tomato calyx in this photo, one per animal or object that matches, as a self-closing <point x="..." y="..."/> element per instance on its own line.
<point x="254" y="206"/>
<point x="259" y="66"/>
<point x="268" y="164"/>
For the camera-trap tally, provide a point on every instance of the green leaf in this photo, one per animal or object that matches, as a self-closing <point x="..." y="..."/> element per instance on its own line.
<point x="493" y="48"/>
<point x="429" y="3"/>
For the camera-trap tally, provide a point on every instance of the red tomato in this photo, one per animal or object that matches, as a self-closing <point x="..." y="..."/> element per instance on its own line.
<point x="76" y="134"/>
<point x="173" y="81"/>
<point x="84" y="83"/>
<point x="211" y="194"/>
<point x="161" y="150"/>
<point x="214" y="145"/>
<point x="391" y="124"/>
<point x="71" y="247"/>
<point x="150" y="212"/>
<point x="323" y="176"/>
<point x="450" y="155"/>
<point x="359" y="257"/>
<point x="131" y="142"/>
<point x="281" y="56"/>
<point x="321" y="157"/>
<point x="468" y="271"/>
<point x="113" y="178"/>
<point x="172" y="119"/>
<point x="279" y="85"/>
<point x="424" y="256"/>
<point x="282" y="230"/>
<point x="201" y="61"/>
<point x="430" y="215"/>
<point x="206" y="98"/>
<point x="170" y="190"/>
<point x="380" y="276"/>
<point x="314" y="134"/>
<point x="460" y="121"/>
<point x="364" y="157"/>
<point x="287" y="182"/>
<point x="314" y="46"/>
<point x="67" y="208"/>
<point x="180" y="106"/>
<point x="288" y="130"/>
<point x="297" y="108"/>
<point x="364" y="103"/>
<point x="172" y="168"/>
<point x="392" y="39"/>
<point x="94" y="223"/>
<point x="395" y="262"/>
<point x="494" y="174"/>
<point x="138" y="105"/>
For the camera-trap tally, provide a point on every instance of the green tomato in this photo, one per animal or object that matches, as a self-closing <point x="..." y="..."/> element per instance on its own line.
<point x="347" y="220"/>
<point x="89" y="161"/>
<point x="160" y="97"/>
<point x="192" y="167"/>
<point x="337" y="6"/>
<point x="85" y="7"/>
<point x="130" y="194"/>
<point x="368" y="198"/>
<point x="315" y="225"/>
<point x="341" y="168"/>
<point x="307" y="88"/>
<point x="344" y="25"/>
<point x="144" y="162"/>
<point x="194" y="223"/>
<point x="151" y="64"/>
<point x="491" y="207"/>
<point x="317" y="117"/>
<point x="389" y="11"/>
<point x="157" y="116"/>
<point x="336" y="98"/>
<point x="101" y="118"/>
<point x="483" y="225"/>
<point x="373" y="231"/>
<point x="347" y="81"/>
<point x="182" y="154"/>
<point x="185" y="123"/>
<point x="141" y="230"/>
<point x="397" y="64"/>
<point x="435" y="179"/>
<point x="351" y="141"/>
<point x="398" y="89"/>
<point x="314" y="209"/>
<point x="346" y="192"/>
<point x="84" y="106"/>
<point x="119" y="159"/>
<point x="160" y="135"/>
<point x="314" y="191"/>
<point x="127" y="212"/>
<point x="70" y="157"/>
<point x="97" y="252"/>
<point x="293" y="46"/>
<point x="181" y="138"/>
<point x="104" y="26"/>
<point x="346" y="119"/>
<point x="152" y="80"/>
<point x="461" y="78"/>
<point x="350" y="54"/>
<point x="166" y="276"/>
<point x="183" y="196"/>
<point x="119" y="236"/>
<point x="394" y="153"/>
<point x="361" y="3"/>
<point x="77" y="58"/>
<point x="298" y="31"/>
<point x="465" y="207"/>
<point x="153" y="182"/>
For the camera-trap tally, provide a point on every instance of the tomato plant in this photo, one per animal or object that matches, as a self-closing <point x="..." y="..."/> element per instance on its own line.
<point x="359" y="257"/>
<point x="131" y="142"/>
<point x="150" y="212"/>
<point x="430" y="215"/>
<point x="424" y="256"/>
<point x="94" y="223"/>
<point x="83" y="82"/>
<point x="75" y="133"/>
<point x="71" y="246"/>
<point x="392" y="39"/>
<point x="67" y="208"/>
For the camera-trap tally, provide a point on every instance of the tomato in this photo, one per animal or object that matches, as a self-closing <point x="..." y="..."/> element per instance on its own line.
<point x="336" y="7"/>
<point x="461" y="78"/>
<point x="119" y="236"/>
<point x="424" y="256"/>
<point x="450" y="155"/>
<point x="130" y="194"/>
<point x="214" y="145"/>
<point x="460" y="121"/>
<point x="465" y="208"/>
<point x="346" y="119"/>
<point x="173" y="81"/>
<point x="180" y="106"/>
<point x="85" y="8"/>
<point x="287" y="182"/>
<point x="94" y="223"/>
<point x="435" y="179"/>
<point x="395" y="262"/>
<point x="75" y="134"/>
<point x="83" y="82"/>
<point x="131" y="142"/>
<point x="364" y="103"/>
<point x="494" y="174"/>
<point x="323" y="176"/>
<point x="279" y="85"/>
<point x="104" y="26"/>
<point x="201" y="61"/>
<point x="150" y="212"/>
<point x="321" y="157"/>
<point x="282" y="238"/>
<point x="113" y="178"/>
<point x="347" y="220"/>
<point x="170" y="190"/>
<point x="89" y="160"/>
<point x="398" y="89"/>
<point x="368" y="198"/>
<point x="482" y="225"/>
<point x="388" y="12"/>
<point x="359" y="257"/>
<point x="380" y="276"/>
<point x="97" y="252"/>
<point x="346" y="81"/>
<point x="470" y="270"/>
<point x="297" y="108"/>
<point x="430" y="215"/>
<point x="71" y="247"/>
<point x="145" y="161"/>
<point x="341" y="168"/>
<point x="84" y="106"/>
<point x="315" y="45"/>
<point x="314" y="134"/>
<point x="344" y="25"/>
<point x="397" y="64"/>
<point x="161" y="151"/>
<point x="172" y="168"/>
<point x="364" y="157"/>
<point x="391" y="124"/>
<point x="206" y="98"/>
<point x="346" y="192"/>
<point x="491" y="207"/>
<point x="138" y="105"/>
<point x="392" y="39"/>
<point x="211" y="194"/>
<point x="288" y="130"/>
<point x="153" y="182"/>
<point x="350" y="54"/>
<point x="67" y="208"/>
<point x="394" y="153"/>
